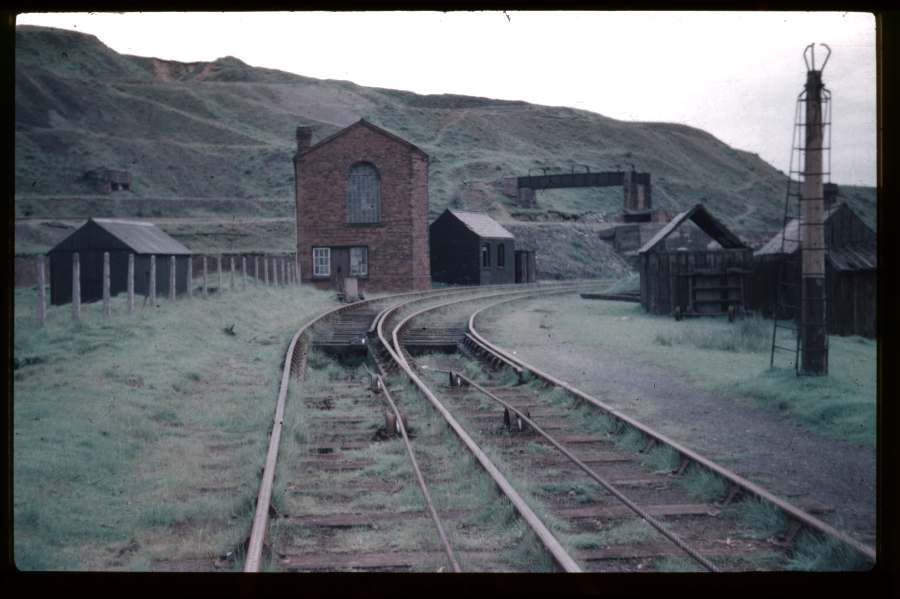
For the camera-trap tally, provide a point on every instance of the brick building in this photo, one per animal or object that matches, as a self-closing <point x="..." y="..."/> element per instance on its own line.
<point x="362" y="209"/>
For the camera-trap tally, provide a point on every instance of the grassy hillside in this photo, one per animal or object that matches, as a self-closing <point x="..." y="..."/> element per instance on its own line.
<point x="197" y="132"/>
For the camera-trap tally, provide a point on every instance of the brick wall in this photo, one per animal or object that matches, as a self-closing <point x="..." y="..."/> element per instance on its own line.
<point x="398" y="245"/>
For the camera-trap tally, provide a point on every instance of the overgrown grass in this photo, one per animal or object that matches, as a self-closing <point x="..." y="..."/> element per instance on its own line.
<point x="701" y="484"/>
<point x="813" y="552"/>
<point x="751" y="334"/>
<point x="762" y="519"/>
<point x="129" y="428"/>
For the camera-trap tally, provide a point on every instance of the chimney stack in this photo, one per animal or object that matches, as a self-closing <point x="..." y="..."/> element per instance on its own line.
<point x="304" y="138"/>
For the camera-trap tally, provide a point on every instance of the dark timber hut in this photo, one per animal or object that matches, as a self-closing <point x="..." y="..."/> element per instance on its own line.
<point x="850" y="272"/>
<point x="694" y="266"/>
<point x="120" y="238"/>
<point x="471" y="248"/>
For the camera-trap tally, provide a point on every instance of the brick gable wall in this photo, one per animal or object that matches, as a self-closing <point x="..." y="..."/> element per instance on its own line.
<point x="398" y="245"/>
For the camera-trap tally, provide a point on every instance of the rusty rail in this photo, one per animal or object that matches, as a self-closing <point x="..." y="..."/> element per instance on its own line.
<point x="264" y="497"/>
<point x="420" y="479"/>
<point x="591" y="473"/>
<point x="687" y="455"/>
<point x="395" y="350"/>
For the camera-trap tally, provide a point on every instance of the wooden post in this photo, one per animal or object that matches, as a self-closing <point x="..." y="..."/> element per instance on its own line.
<point x="76" y="288"/>
<point x="231" y="285"/>
<point x="266" y="269"/>
<point x="41" y="293"/>
<point x="205" y="278"/>
<point x="173" y="264"/>
<point x="130" y="283"/>
<point x="219" y="271"/>
<point x="107" y="309"/>
<point x="256" y="270"/>
<point x="813" y="333"/>
<point x="152" y="279"/>
<point x="243" y="272"/>
<point x="283" y="272"/>
<point x="190" y="276"/>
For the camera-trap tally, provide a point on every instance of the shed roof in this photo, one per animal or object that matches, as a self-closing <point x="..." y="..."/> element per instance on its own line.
<point x="481" y="224"/>
<point x="363" y="123"/>
<point x="791" y="234"/>
<point x="141" y="237"/>
<point x="703" y="219"/>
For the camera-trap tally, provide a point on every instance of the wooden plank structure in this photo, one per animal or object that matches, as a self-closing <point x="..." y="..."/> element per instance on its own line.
<point x="850" y="272"/>
<point x="694" y="271"/>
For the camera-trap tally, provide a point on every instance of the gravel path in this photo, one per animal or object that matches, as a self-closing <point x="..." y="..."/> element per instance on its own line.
<point x="764" y="446"/>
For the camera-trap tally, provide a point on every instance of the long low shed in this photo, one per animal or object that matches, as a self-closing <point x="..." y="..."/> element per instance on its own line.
<point x="120" y="238"/>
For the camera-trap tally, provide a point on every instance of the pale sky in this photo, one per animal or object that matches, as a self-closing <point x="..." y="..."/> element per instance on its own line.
<point x="735" y="75"/>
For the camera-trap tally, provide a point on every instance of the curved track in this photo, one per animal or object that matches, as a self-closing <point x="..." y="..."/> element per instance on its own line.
<point x="592" y="489"/>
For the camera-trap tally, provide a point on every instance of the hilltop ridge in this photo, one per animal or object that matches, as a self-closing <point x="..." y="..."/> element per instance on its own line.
<point x="225" y="130"/>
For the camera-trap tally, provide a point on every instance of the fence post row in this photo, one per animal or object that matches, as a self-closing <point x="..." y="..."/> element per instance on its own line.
<point x="285" y="272"/>
<point x="219" y="272"/>
<point x="130" y="283"/>
<point x="42" y="301"/>
<point x="153" y="279"/>
<point x="76" y="288"/>
<point x="107" y="310"/>
<point x="173" y="263"/>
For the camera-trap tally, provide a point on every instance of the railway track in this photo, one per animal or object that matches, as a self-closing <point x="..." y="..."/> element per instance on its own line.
<point x="341" y="463"/>
<point x="405" y="454"/>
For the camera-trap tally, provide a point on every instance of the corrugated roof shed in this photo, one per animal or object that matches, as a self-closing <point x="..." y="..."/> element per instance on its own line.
<point x="791" y="234"/>
<point x="703" y="219"/>
<point x="482" y="225"/>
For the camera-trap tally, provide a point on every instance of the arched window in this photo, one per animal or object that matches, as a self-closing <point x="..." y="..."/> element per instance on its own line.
<point x="363" y="194"/>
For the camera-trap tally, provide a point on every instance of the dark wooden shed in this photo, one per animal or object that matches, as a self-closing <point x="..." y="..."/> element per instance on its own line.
<point x="471" y="248"/>
<point x="120" y="238"/>
<point x="850" y="273"/>
<point x="694" y="266"/>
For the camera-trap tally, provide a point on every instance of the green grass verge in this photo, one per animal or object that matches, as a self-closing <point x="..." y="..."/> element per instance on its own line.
<point x="140" y="438"/>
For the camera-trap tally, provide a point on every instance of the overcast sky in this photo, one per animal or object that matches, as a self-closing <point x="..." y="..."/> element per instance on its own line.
<point x="735" y="75"/>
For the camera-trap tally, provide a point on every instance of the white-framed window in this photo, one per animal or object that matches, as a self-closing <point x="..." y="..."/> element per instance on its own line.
<point x="321" y="262"/>
<point x="359" y="261"/>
